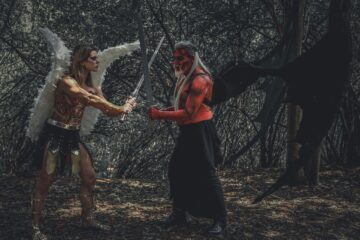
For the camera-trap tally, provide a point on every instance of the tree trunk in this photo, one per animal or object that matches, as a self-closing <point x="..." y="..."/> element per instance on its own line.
<point x="294" y="21"/>
<point x="294" y="113"/>
<point x="312" y="168"/>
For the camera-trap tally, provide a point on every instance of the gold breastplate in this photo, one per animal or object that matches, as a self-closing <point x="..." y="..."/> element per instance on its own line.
<point x="68" y="110"/>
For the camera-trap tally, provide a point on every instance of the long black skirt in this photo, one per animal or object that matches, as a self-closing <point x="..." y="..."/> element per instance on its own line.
<point x="194" y="186"/>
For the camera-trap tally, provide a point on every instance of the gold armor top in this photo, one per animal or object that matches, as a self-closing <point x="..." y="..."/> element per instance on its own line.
<point x="67" y="109"/>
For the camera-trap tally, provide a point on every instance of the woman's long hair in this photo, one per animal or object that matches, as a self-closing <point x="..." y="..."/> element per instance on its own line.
<point x="80" y="54"/>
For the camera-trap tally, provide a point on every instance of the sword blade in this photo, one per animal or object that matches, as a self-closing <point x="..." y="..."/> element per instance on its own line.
<point x="141" y="81"/>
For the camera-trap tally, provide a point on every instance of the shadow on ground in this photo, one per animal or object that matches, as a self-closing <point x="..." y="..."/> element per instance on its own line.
<point x="133" y="208"/>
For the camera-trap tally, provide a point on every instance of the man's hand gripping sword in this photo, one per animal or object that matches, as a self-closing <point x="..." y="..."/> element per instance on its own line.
<point x="135" y="93"/>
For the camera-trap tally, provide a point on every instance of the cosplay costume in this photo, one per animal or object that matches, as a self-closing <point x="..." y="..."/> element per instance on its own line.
<point x="61" y="133"/>
<point x="58" y="119"/>
<point x="44" y="103"/>
<point x="194" y="186"/>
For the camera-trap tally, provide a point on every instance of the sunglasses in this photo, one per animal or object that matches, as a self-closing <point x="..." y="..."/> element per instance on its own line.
<point x="93" y="58"/>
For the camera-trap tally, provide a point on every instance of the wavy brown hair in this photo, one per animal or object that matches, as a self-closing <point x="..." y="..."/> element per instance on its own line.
<point x="80" y="54"/>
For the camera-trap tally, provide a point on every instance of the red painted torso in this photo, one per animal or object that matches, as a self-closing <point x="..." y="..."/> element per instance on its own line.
<point x="204" y="112"/>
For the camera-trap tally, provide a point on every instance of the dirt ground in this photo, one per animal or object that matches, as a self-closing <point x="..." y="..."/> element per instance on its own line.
<point x="133" y="208"/>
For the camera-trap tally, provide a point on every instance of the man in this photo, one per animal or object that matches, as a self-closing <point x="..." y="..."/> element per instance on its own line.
<point x="194" y="186"/>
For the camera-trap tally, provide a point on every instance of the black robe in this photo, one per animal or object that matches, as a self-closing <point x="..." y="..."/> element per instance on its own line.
<point x="194" y="186"/>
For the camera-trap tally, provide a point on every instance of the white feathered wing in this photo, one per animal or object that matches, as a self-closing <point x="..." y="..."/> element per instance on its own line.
<point x="44" y="102"/>
<point x="106" y="58"/>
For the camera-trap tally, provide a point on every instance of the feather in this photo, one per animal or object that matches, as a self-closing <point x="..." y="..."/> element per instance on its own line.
<point x="106" y="58"/>
<point x="44" y="102"/>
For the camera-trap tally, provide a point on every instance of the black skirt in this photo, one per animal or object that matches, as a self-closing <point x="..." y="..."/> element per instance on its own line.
<point x="64" y="141"/>
<point x="194" y="186"/>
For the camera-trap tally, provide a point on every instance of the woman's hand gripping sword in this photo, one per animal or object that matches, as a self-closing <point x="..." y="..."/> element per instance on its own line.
<point x="135" y="93"/>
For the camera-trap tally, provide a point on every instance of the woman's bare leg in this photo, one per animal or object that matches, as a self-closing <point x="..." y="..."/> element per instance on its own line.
<point x="43" y="183"/>
<point x="88" y="179"/>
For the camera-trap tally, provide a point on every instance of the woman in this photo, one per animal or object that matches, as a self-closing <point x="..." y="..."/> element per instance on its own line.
<point x="60" y="138"/>
<point x="194" y="186"/>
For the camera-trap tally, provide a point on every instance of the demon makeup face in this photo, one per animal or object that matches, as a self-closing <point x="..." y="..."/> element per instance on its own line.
<point x="182" y="62"/>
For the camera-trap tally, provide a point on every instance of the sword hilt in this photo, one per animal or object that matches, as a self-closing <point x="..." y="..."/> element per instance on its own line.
<point x="147" y="104"/>
<point x="123" y="116"/>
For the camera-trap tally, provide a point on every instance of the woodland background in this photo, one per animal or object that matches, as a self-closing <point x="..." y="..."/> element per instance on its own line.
<point x="135" y="153"/>
<point x="223" y="30"/>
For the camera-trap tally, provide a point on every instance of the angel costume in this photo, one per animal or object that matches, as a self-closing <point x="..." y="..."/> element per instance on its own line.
<point x="59" y="118"/>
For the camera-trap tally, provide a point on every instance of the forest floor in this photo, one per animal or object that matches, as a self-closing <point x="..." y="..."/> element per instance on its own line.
<point x="133" y="208"/>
